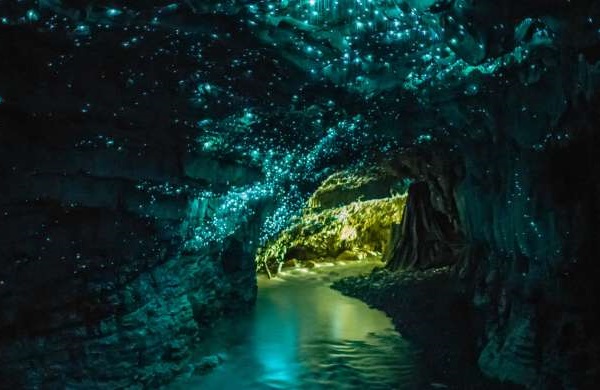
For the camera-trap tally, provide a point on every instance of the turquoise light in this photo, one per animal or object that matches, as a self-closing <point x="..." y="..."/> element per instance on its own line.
<point x="424" y="138"/>
<point x="32" y="15"/>
<point x="113" y="12"/>
<point x="82" y="29"/>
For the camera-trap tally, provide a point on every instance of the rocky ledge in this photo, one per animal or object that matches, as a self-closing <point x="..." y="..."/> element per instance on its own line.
<point x="430" y="309"/>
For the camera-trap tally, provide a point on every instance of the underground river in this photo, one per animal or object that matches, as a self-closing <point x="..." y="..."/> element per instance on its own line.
<point x="304" y="335"/>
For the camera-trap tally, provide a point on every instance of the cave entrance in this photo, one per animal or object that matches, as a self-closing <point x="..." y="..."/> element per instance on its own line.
<point x="349" y="218"/>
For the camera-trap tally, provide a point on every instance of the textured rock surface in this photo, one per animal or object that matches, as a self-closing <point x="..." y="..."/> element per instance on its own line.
<point x="98" y="181"/>
<point x="425" y="236"/>
<point x="346" y="187"/>
<point x="141" y="167"/>
<point x="147" y="143"/>
<point x="94" y="283"/>
<point x="428" y="308"/>
<point x="332" y="227"/>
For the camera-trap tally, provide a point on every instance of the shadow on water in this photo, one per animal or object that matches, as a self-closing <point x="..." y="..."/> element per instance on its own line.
<point x="304" y="335"/>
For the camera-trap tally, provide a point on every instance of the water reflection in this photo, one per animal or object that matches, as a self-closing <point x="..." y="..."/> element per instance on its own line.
<point x="304" y="335"/>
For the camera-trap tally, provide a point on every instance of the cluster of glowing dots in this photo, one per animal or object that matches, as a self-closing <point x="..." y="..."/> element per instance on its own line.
<point x="282" y="170"/>
<point x="363" y="37"/>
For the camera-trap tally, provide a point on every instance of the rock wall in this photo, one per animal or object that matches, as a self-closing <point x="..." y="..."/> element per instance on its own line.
<point x="94" y="284"/>
<point x="97" y="287"/>
<point x="148" y="149"/>
<point x="349" y="217"/>
<point x="142" y="164"/>
<point x="424" y="238"/>
<point x="539" y="250"/>
<point x="523" y="175"/>
<point x="512" y="166"/>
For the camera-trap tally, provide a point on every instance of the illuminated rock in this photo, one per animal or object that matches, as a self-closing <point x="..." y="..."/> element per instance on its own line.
<point x="148" y="150"/>
<point x="354" y="231"/>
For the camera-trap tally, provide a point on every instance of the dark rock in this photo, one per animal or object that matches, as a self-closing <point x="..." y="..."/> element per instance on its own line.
<point x="425" y="236"/>
<point x="310" y="264"/>
<point x="207" y="364"/>
<point x="347" y="255"/>
<point x="428" y="308"/>
<point x="148" y="150"/>
<point x="291" y="263"/>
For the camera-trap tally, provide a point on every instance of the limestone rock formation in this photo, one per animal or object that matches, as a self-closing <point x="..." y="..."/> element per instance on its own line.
<point x="148" y="148"/>
<point x="424" y="238"/>
<point x="333" y="228"/>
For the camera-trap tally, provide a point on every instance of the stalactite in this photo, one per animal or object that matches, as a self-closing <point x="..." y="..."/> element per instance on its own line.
<point x="424" y="237"/>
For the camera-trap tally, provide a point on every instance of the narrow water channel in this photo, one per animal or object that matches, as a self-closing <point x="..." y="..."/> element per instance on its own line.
<point x="304" y="335"/>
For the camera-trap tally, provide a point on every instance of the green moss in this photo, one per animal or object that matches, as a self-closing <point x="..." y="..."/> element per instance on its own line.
<point x="348" y="186"/>
<point x="353" y="231"/>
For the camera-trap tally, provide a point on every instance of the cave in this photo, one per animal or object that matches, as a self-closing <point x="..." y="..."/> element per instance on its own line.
<point x="299" y="194"/>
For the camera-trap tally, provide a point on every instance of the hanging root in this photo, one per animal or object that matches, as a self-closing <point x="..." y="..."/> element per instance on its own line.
<point x="267" y="269"/>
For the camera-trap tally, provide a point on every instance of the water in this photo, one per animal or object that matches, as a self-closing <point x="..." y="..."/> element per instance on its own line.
<point x="304" y="335"/>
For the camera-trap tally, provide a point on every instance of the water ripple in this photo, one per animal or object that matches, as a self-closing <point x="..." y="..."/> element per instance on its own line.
<point x="303" y="335"/>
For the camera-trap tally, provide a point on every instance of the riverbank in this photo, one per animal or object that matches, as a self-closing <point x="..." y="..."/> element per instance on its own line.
<point x="301" y="334"/>
<point x="428" y="309"/>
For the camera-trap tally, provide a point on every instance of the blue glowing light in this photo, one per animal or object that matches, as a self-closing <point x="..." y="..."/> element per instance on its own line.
<point x="424" y="138"/>
<point x="32" y="15"/>
<point x="112" y="12"/>
<point x="471" y="90"/>
<point x="82" y="29"/>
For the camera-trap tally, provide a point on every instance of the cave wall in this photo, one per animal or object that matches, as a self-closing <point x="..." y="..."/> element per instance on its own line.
<point x="149" y="148"/>
<point x="347" y="218"/>
<point x="539" y="251"/>
<point x="97" y="286"/>
<point x="523" y="196"/>
<point x="424" y="238"/>
<point x="142" y="163"/>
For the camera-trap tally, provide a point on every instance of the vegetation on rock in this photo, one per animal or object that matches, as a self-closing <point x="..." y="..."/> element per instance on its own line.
<point x="352" y="231"/>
